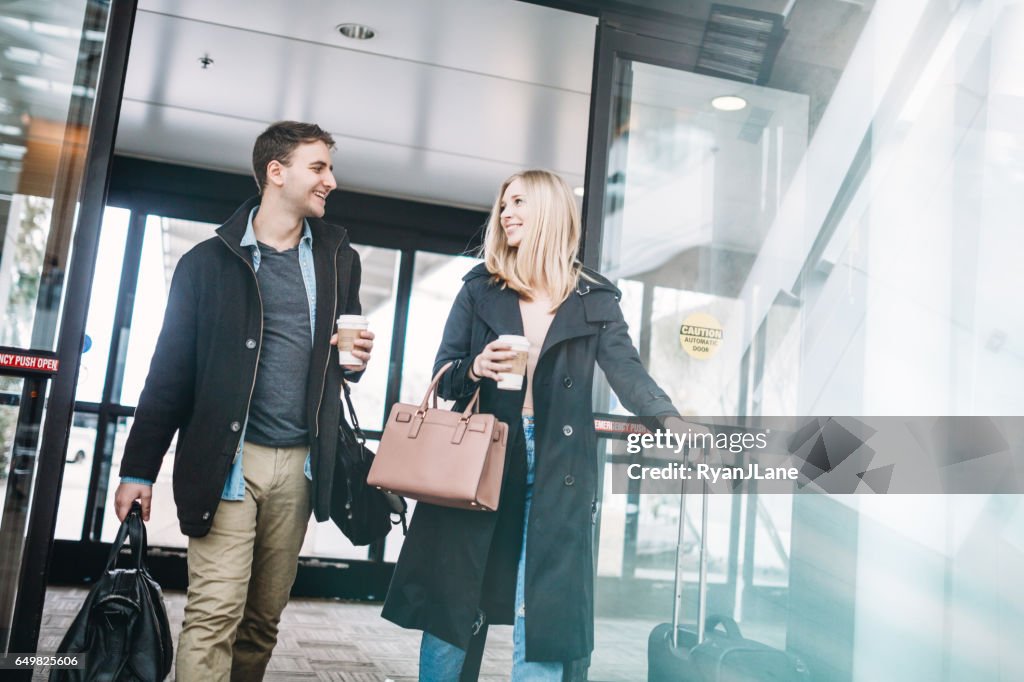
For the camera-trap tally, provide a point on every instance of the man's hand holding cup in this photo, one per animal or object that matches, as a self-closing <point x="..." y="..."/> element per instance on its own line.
<point x="354" y="342"/>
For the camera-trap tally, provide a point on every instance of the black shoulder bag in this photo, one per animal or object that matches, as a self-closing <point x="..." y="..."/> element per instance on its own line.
<point x="361" y="511"/>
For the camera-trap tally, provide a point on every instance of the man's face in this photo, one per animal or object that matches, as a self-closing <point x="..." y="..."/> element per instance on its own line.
<point x="307" y="180"/>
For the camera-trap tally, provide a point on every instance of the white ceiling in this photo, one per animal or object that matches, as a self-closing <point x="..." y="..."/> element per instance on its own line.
<point x="448" y="99"/>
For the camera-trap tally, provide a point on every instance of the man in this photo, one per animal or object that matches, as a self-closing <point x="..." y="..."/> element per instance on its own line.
<point x="244" y="369"/>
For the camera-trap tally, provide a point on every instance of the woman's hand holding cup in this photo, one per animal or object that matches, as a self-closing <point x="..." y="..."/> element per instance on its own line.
<point x="504" y="361"/>
<point x="495" y="358"/>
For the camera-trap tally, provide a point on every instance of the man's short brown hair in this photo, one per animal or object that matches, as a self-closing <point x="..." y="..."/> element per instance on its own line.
<point x="277" y="143"/>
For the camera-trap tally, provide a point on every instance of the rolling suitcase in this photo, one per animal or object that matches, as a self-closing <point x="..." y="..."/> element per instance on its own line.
<point x="670" y="645"/>
<point x="704" y="652"/>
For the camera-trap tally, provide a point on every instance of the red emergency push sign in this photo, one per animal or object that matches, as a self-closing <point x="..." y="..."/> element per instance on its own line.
<point x="28" y="362"/>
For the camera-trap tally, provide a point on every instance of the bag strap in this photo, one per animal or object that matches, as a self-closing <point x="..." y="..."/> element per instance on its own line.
<point x="133" y="530"/>
<point x="353" y="419"/>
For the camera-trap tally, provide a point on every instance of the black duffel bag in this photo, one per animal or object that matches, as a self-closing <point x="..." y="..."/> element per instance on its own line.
<point x="725" y="655"/>
<point x="362" y="512"/>
<point x="122" y="627"/>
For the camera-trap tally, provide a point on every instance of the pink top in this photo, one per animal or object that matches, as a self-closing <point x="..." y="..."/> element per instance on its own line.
<point x="536" y="322"/>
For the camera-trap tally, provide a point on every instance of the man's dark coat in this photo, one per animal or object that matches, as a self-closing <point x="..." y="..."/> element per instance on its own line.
<point x="456" y="562"/>
<point x="203" y="370"/>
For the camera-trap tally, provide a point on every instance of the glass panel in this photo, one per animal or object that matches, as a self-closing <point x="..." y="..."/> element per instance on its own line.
<point x="22" y="425"/>
<point x="102" y="304"/>
<point x="436" y="280"/>
<point x="165" y="242"/>
<point x="377" y="296"/>
<point x="49" y="63"/>
<point x="773" y="539"/>
<point x="27" y="226"/>
<point x="77" y="470"/>
<point x="851" y="227"/>
<point x="10" y="395"/>
<point x="162" y="528"/>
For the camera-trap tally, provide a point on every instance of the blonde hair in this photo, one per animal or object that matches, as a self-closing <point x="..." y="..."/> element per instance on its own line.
<point x="545" y="260"/>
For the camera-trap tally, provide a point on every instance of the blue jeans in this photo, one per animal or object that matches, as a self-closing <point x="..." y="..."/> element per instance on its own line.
<point x="442" y="662"/>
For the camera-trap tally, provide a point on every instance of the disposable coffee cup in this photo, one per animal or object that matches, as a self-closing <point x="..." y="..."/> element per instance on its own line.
<point x="349" y="327"/>
<point x="513" y="379"/>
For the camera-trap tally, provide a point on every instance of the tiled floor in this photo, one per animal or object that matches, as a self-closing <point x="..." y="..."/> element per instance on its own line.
<point x="350" y="642"/>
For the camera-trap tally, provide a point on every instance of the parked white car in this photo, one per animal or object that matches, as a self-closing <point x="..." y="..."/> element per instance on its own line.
<point x="81" y="442"/>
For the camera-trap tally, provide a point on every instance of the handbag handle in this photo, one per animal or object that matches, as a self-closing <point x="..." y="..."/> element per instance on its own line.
<point x="431" y="395"/>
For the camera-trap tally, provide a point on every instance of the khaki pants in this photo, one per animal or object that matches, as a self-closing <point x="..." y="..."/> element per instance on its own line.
<point x="241" y="573"/>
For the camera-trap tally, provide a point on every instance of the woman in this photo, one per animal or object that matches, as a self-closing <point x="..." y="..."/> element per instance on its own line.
<point x="462" y="570"/>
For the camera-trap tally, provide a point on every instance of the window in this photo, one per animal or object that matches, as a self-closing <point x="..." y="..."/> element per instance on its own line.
<point x="436" y="281"/>
<point x="102" y="304"/>
<point x="165" y="242"/>
<point x="377" y="296"/>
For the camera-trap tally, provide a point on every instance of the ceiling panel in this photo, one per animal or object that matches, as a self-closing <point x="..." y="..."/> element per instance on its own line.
<point x="506" y="38"/>
<point x="225" y="143"/>
<point x="443" y="123"/>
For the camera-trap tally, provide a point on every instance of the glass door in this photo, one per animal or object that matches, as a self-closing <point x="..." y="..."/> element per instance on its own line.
<point x="688" y="171"/>
<point x="53" y="54"/>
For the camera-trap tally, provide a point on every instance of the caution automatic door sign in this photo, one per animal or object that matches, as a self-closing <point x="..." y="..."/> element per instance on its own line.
<point x="700" y="335"/>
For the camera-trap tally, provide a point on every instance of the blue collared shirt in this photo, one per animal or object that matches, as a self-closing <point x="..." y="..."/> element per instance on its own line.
<point x="234" y="487"/>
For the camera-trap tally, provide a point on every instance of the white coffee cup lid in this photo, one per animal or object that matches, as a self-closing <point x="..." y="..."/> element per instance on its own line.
<point x="353" y="319"/>
<point x="516" y="341"/>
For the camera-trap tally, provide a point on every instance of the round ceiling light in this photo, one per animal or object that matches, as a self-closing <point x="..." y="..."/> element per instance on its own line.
<point x="729" y="103"/>
<point x="356" y="31"/>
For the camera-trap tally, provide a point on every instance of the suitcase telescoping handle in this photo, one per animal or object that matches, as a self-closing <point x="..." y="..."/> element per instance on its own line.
<point x="702" y="571"/>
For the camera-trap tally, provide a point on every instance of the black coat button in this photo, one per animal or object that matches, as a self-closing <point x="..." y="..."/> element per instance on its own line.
<point x="567" y="430"/>
<point x="250" y="343"/>
<point x="567" y="381"/>
<point x="569" y="480"/>
<point x="236" y="427"/>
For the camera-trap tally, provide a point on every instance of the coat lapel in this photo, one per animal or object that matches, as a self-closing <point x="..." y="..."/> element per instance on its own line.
<point x="499" y="309"/>
<point x="570" y="322"/>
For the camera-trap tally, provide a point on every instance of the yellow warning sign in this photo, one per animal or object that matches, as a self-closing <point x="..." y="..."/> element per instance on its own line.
<point x="700" y="335"/>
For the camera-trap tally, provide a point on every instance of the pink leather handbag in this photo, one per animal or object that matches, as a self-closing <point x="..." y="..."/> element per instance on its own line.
<point x="451" y="459"/>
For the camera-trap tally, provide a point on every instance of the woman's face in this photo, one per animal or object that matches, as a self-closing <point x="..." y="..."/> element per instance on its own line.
<point x="516" y="215"/>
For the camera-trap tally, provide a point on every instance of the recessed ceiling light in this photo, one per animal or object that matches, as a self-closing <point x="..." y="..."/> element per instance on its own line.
<point x="356" y="31"/>
<point x="578" y="191"/>
<point x="729" y="103"/>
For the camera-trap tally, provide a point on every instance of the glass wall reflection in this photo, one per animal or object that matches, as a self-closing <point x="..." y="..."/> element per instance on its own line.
<point x="854" y="235"/>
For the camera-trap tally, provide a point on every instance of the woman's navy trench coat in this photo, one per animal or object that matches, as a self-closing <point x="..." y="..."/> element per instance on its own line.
<point x="455" y="563"/>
